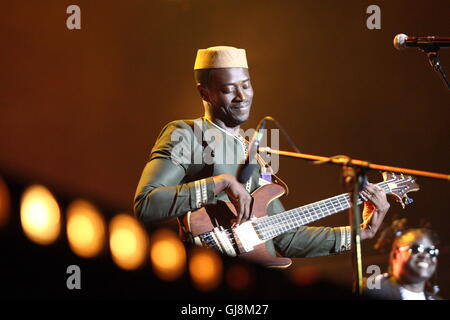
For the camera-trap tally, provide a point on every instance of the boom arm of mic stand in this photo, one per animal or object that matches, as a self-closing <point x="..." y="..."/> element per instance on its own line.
<point x="435" y="62"/>
<point x="359" y="163"/>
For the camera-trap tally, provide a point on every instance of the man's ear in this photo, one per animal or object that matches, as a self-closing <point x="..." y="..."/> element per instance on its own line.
<point x="203" y="92"/>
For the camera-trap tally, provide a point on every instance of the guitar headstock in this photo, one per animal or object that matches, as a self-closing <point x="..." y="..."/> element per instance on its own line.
<point x="400" y="185"/>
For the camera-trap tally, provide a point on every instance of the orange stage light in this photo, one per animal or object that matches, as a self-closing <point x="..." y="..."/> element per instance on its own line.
<point x="85" y="229"/>
<point x="205" y="268"/>
<point x="167" y="254"/>
<point x="40" y="215"/>
<point x="128" y="242"/>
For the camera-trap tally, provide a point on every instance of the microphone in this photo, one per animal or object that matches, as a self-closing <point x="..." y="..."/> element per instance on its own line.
<point x="402" y="41"/>
<point x="429" y="45"/>
<point x="248" y="167"/>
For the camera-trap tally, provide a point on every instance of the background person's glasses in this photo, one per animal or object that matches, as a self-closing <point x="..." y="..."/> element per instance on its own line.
<point x="418" y="248"/>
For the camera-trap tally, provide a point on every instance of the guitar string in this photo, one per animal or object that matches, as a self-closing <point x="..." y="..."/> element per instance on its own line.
<point x="312" y="211"/>
<point x="305" y="215"/>
<point x="321" y="204"/>
<point x="270" y="226"/>
<point x="296" y="217"/>
<point x="330" y="203"/>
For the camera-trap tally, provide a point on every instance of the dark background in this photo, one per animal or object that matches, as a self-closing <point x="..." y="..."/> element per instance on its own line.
<point x="80" y="109"/>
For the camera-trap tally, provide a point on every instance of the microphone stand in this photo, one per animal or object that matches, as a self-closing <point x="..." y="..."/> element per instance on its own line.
<point x="435" y="62"/>
<point x="354" y="179"/>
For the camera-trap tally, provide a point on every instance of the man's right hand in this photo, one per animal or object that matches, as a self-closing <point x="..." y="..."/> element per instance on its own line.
<point x="240" y="198"/>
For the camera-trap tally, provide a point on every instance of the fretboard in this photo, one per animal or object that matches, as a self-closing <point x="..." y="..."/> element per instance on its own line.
<point x="271" y="226"/>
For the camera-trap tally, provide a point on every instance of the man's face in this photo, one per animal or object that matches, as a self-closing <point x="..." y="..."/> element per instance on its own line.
<point x="413" y="267"/>
<point x="230" y="95"/>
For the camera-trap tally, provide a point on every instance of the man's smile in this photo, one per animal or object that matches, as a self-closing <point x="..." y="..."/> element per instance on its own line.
<point x="422" y="265"/>
<point x="241" y="106"/>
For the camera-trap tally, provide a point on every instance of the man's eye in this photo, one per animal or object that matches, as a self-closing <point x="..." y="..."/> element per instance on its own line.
<point x="227" y="90"/>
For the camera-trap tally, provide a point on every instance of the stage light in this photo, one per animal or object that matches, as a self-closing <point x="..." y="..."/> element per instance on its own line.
<point x="85" y="229"/>
<point x="40" y="215"/>
<point x="128" y="242"/>
<point x="239" y="277"/>
<point x="205" y="268"/>
<point x="5" y="203"/>
<point x="167" y="254"/>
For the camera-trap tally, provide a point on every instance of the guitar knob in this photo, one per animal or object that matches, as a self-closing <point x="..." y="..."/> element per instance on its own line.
<point x="408" y="200"/>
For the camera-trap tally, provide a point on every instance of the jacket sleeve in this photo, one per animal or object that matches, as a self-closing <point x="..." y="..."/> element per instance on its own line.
<point x="161" y="194"/>
<point x="309" y="241"/>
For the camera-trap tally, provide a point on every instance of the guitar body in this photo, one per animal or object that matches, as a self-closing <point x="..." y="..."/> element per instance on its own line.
<point x="223" y="215"/>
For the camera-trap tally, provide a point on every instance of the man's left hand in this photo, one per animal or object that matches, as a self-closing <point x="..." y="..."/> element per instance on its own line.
<point x="374" y="210"/>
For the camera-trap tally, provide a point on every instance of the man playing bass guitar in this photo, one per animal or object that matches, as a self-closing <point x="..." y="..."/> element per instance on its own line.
<point x="172" y="185"/>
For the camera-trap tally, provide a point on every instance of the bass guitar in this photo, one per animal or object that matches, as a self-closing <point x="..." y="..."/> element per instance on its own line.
<point x="213" y="226"/>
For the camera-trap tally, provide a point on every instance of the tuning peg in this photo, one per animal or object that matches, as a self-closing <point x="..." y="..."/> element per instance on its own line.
<point x="408" y="200"/>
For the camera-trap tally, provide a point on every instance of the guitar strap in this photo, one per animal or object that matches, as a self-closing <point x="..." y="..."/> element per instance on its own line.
<point x="267" y="175"/>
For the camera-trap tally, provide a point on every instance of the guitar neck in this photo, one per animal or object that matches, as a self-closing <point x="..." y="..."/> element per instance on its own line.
<point x="271" y="226"/>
